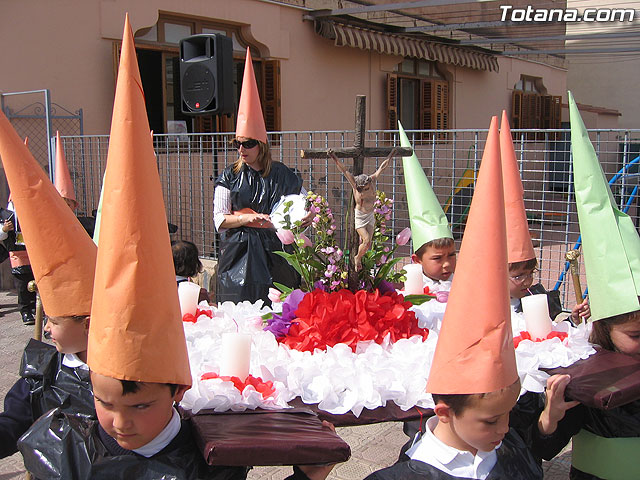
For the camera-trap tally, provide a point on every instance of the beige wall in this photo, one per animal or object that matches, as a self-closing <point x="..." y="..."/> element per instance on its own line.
<point x="606" y="80"/>
<point x="66" y="46"/>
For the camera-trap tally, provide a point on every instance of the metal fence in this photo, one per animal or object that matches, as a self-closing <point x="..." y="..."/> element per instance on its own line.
<point x="189" y="164"/>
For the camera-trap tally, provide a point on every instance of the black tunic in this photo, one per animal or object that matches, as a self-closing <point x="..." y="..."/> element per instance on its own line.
<point x="73" y="447"/>
<point x="44" y="384"/>
<point x="247" y="266"/>
<point x="620" y="422"/>
<point x="515" y="462"/>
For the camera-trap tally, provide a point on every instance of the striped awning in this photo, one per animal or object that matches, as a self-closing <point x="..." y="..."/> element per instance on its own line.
<point x="405" y="46"/>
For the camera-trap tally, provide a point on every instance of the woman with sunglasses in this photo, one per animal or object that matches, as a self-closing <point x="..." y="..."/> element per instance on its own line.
<point x="244" y="196"/>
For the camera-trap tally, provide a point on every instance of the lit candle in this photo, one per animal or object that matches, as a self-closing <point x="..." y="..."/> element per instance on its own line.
<point x="188" y="294"/>
<point x="413" y="283"/>
<point x="536" y="315"/>
<point x="236" y="355"/>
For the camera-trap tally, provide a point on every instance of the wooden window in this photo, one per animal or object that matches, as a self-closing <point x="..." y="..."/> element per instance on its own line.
<point x="419" y="103"/>
<point x="531" y="107"/>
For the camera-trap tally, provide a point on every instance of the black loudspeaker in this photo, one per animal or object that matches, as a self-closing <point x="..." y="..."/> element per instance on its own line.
<point x="206" y="74"/>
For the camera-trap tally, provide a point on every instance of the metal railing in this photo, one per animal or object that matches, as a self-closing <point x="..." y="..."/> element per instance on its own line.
<point x="190" y="163"/>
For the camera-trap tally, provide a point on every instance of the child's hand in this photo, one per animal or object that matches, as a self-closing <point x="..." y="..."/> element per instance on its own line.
<point x="581" y="311"/>
<point x="555" y="404"/>
<point x="8" y="226"/>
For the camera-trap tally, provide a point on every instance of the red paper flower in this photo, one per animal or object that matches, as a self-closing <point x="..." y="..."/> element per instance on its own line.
<point x="266" y="389"/>
<point x="527" y="336"/>
<point x="325" y="319"/>
<point x="189" y="317"/>
<point x="208" y="313"/>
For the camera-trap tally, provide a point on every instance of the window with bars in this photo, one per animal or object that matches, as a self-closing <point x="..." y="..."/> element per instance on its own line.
<point x="418" y="96"/>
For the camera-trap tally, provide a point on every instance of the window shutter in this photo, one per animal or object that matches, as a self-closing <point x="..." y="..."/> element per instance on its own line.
<point x="427" y="107"/>
<point x="441" y="104"/>
<point x="117" y="45"/>
<point x="392" y="101"/>
<point x="516" y="109"/>
<point x="551" y="111"/>
<point x="271" y="94"/>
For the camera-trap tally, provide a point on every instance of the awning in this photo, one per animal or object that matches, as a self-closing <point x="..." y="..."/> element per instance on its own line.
<point x="405" y="46"/>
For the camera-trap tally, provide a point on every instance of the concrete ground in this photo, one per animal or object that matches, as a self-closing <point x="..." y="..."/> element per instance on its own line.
<point x="372" y="446"/>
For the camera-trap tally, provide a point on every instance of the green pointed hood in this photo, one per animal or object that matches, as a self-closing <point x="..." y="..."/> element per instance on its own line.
<point x="428" y="221"/>
<point x="610" y="242"/>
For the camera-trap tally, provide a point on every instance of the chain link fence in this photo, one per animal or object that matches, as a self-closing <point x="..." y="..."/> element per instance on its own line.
<point x="190" y="163"/>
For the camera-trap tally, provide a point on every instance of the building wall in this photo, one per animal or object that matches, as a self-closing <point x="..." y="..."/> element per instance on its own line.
<point x="606" y="80"/>
<point x="68" y="48"/>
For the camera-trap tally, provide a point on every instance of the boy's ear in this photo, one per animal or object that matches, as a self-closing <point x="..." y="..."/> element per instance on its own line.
<point x="443" y="412"/>
<point x="180" y="391"/>
<point x="415" y="258"/>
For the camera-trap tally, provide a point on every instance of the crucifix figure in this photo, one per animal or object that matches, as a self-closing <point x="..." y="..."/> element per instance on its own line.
<point x="358" y="152"/>
<point x="364" y="194"/>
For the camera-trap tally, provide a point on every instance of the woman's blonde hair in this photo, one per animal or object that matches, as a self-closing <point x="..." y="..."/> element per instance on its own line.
<point x="264" y="156"/>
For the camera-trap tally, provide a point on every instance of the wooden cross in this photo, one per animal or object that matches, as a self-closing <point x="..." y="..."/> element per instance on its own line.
<point x="358" y="152"/>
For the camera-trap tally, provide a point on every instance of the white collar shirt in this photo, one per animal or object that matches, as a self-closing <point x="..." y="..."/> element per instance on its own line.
<point x="437" y="285"/>
<point x="457" y="463"/>
<point x="163" y="439"/>
<point x="71" y="360"/>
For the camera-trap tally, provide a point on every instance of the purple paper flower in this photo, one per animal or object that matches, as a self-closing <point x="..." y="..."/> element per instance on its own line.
<point x="279" y="324"/>
<point x="385" y="287"/>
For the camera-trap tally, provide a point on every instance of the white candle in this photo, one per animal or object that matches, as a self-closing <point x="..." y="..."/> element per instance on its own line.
<point x="536" y="315"/>
<point x="188" y="294"/>
<point x="413" y="283"/>
<point x="235" y="357"/>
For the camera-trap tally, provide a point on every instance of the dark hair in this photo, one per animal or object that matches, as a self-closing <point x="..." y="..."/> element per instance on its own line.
<point x="129" y="386"/>
<point x="601" y="329"/>
<point x="185" y="258"/>
<point x="435" y="243"/>
<point x="457" y="402"/>
<point x="525" y="264"/>
<point x="264" y="156"/>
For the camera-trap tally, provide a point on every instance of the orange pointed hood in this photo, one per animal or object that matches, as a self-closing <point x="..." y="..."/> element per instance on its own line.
<point x="475" y="351"/>
<point x="62" y="180"/>
<point x="136" y="328"/>
<point x="519" y="246"/>
<point x="62" y="255"/>
<point x="250" y="119"/>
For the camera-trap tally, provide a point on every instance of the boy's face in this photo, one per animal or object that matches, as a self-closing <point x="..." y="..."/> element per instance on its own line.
<point x="626" y="338"/>
<point x="483" y="422"/>
<point x="520" y="279"/>
<point x="134" y="419"/>
<point x="68" y="334"/>
<point x="437" y="263"/>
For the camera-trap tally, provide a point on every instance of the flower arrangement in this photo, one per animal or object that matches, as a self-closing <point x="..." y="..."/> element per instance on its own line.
<point x="324" y="313"/>
<point x="323" y="265"/>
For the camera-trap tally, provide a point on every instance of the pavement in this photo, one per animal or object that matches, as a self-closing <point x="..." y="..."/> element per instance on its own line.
<point x="372" y="446"/>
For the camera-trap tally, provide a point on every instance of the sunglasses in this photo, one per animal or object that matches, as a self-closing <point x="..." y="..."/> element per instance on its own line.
<point x="247" y="144"/>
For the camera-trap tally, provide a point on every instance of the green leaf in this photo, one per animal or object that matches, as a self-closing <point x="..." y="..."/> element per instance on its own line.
<point x="418" y="299"/>
<point x="293" y="261"/>
<point x="384" y="271"/>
